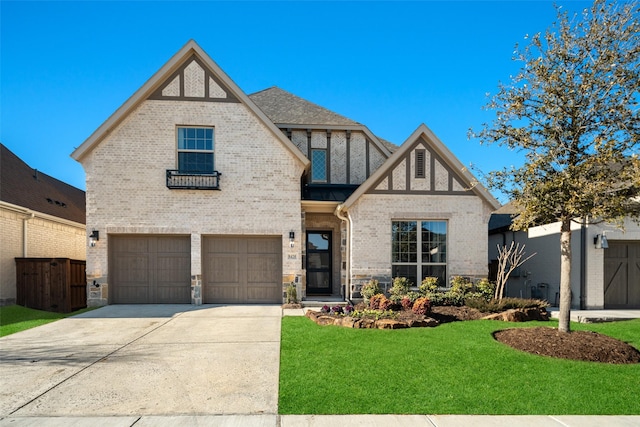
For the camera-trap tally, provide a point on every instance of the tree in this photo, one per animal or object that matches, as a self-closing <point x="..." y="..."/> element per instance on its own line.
<point x="573" y="109"/>
<point x="509" y="258"/>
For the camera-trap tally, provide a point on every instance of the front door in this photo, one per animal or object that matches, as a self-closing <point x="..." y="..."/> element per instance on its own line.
<point x="319" y="262"/>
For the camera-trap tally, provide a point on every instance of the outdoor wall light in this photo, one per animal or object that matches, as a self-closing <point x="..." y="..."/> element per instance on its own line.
<point x="292" y="238"/>
<point x="94" y="237"/>
<point x="600" y="240"/>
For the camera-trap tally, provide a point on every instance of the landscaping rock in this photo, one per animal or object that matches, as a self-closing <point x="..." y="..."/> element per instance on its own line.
<point x="520" y="315"/>
<point x="426" y="323"/>
<point x="390" y="324"/>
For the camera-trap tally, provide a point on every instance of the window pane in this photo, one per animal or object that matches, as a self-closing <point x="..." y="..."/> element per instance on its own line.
<point x="439" y="271"/>
<point x="319" y="165"/>
<point x="434" y="241"/>
<point x="195" y="162"/>
<point x="404" y="241"/>
<point x="408" y="271"/>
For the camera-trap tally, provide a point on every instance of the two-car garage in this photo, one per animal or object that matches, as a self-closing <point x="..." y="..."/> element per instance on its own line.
<point x="150" y="269"/>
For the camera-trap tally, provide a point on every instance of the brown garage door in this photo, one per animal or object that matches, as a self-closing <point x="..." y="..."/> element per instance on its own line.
<point x="622" y="275"/>
<point x="150" y="269"/>
<point x="241" y="269"/>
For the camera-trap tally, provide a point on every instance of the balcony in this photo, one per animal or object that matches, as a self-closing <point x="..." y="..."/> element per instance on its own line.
<point x="177" y="180"/>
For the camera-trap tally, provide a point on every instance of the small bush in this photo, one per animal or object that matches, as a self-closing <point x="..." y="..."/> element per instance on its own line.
<point x="291" y="294"/>
<point x="386" y="304"/>
<point x="429" y="284"/>
<point x="374" y="301"/>
<point x="370" y="289"/>
<point x="348" y="309"/>
<point x="325" y="309"/>
<point x="337" y="310"/>
<point x="497" y="306"/>
<point x="400" y="287"/>
<point x="486" y="289"/>
<point x="421" y="306"/>
<point x="406" y="303"/>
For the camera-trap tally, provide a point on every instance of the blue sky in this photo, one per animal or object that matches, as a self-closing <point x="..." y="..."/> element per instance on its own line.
<point x="67" y="66"/>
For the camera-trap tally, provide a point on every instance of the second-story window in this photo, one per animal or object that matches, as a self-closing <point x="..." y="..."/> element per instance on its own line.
<point x="195" y="149"/>
<point x="318" y="165"/>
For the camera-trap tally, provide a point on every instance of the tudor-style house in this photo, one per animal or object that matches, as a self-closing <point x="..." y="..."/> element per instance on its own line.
<point x="200" y="193"/>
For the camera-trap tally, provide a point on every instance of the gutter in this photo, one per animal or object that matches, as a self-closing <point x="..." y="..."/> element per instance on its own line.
<point x="347" y="279"/>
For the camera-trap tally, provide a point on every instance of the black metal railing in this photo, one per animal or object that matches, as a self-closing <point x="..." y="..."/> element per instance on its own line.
<point x="193" y="180"/>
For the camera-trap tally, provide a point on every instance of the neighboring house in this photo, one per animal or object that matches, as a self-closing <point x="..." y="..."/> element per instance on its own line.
<point x="40" y="217"/>
<point x="203" y="194"/>
<point x="601" y="277"/>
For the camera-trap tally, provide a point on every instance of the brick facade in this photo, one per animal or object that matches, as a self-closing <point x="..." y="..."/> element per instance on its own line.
<point x="46" y="238"/>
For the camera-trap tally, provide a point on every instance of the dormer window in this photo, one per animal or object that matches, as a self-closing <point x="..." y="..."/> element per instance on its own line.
<point x="195" y="149"/>
<point x="318" y="165"/>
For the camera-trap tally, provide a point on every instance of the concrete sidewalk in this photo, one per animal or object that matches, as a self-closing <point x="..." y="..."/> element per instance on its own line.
<point x="325" y="420"/>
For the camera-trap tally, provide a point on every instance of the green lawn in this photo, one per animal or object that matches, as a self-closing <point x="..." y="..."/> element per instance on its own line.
<point x="15" y="318"/>
<point x="456" y="368"/>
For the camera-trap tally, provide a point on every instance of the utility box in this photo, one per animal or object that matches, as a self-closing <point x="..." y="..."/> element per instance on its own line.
<point x="51" y="284"/>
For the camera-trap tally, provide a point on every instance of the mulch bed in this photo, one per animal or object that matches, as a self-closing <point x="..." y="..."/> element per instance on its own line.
<point x="576" y="345"/>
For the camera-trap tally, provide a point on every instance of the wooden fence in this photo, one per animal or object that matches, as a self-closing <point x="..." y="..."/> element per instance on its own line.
<point x="51" y="284"/>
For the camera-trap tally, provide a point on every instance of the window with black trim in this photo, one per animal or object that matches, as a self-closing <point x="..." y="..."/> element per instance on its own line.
<point x="195" y="149"/>
<point x="419" y="250"/>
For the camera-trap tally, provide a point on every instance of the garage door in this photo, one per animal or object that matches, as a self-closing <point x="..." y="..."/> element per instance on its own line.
<point x="622" y="275"/>
<point x="150" y="269"/>
<point x="241" y="269"/>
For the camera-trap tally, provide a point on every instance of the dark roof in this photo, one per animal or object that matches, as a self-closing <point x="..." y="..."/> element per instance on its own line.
<point x="284" y="107"/>
<point x="501" y="219"/>
<point x="29" y="188"/>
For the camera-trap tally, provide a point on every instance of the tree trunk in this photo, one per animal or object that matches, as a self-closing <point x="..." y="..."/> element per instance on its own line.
<point x="564" y="324"/>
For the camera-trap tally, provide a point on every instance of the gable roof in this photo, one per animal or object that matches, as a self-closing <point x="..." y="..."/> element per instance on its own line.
<point x="162" y="80"/>
<point x="424" y="133"/>
<point x="29" y="188"/>
<point x="284" y="107"/>
<point x="287" y="110"/>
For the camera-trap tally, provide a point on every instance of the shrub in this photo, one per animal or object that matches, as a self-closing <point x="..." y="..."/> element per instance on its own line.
<point x="497" y="306"/>
<point x="421" y="306"/>
<point x="485" y="289"/>
<point x="386" y="304"/>
<point x="370" y="289"/>
<point x="374" y="301"/>
<point x="461" y="284"/>
<point x="429" y="284"/>
<point x="400" y="287"/>
<point x="291" y="294"/>
<point x="337" y="310"/>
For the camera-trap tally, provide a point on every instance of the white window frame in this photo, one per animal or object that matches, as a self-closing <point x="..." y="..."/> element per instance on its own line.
<point x="191" y="150"/>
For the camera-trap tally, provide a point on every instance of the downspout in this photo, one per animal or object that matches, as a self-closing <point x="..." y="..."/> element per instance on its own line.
<point x="25" y="234"/>
<point x="347" y="278"/>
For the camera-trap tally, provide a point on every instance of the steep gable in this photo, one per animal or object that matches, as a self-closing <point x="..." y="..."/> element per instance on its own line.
<point x="423" y="166"/>
<point x="190" y="75"/>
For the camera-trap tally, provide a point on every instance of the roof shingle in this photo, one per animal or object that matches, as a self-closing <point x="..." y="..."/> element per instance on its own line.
<point x="24" y="186"/>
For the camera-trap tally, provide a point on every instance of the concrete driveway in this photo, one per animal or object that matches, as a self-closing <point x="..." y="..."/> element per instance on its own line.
<point x="145" y="360"/>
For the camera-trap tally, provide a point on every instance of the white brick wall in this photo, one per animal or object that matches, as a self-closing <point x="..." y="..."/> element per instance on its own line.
<point x="467" y="218"/>
<point x="127" y="193"/>
<point x="45" y="239"/>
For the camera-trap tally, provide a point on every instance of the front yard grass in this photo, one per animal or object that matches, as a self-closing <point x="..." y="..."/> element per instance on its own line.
<point x="15" y="318"/>
<point x="455" y="368"/>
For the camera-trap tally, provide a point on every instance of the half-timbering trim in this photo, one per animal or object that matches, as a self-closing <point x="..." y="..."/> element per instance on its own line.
<point x="157" y="94"/>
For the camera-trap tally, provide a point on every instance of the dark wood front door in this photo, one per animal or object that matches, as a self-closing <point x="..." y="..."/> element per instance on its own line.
<point x="622" y="275"/>
<point x="318" y="266"/>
